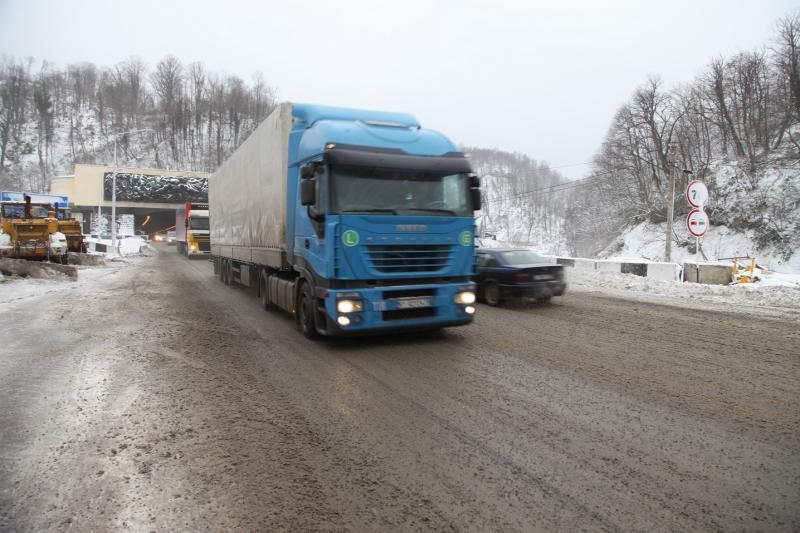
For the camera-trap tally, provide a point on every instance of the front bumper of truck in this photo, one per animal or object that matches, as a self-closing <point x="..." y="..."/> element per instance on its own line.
<point x="398" y="308"/>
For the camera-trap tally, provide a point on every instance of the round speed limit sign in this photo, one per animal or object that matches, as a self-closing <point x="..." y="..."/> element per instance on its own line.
<point x="696" y="193"/>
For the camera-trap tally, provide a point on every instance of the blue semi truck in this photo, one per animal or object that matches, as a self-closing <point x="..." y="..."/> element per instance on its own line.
<point x="356" y="222"/>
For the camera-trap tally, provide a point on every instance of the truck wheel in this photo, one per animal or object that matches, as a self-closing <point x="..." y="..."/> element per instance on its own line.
<point x="229" y="272"/>
<point x="263" y="289"/>
<point x="491" y="293"/>
<point x="305" y="312"/>
<point x="224" y="272"/>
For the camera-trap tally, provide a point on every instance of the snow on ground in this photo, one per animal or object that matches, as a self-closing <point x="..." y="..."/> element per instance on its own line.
<point x="646" y="241"/>
<point x="776" y="294"/>
<point x="14" y="288"/>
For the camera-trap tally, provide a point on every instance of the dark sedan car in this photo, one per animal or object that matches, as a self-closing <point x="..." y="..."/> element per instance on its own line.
<point x="511" y="272"/>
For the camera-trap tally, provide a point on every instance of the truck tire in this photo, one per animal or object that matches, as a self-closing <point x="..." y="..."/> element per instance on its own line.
<point x="306" y="312"/>
<point x="229" y="273"/>
<point x="224" y="272"/>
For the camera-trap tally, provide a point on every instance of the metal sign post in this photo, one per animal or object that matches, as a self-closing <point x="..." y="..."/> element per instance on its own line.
<point x="697" y="219"/>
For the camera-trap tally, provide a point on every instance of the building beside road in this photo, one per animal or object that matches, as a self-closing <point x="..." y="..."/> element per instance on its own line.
<point x="146" y="198"/>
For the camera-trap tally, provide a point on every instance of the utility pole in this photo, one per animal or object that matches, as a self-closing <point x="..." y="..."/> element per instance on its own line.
<point x="671" y="165"/>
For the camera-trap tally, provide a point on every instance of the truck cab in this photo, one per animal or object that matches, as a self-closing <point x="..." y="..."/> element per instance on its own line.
<point x="192" y="230"/>
<point x="384" y="230"/>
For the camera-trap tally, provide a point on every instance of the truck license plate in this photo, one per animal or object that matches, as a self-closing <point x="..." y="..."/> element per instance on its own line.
<point x="412" y="303"/>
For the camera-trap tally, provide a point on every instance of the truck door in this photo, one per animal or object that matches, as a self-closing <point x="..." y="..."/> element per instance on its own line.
<point x="314" y="242"/>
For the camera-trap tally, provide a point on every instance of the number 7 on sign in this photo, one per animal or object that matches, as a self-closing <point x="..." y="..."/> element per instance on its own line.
<point x="696" y="194"/>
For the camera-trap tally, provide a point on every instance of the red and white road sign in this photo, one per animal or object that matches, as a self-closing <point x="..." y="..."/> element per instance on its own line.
<point x="697" y="193"/>
<point x="697" y="222"/>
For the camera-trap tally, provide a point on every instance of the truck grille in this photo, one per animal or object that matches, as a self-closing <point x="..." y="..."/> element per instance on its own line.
<point x="409" y="258"/>
<point x="203" y="242"/>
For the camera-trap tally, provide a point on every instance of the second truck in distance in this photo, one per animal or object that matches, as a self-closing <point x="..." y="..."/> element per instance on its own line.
<point x="353" y="221"/>
<point x="191" y="229"/>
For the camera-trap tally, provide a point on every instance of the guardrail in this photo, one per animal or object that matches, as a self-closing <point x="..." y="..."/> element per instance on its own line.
<point x="712" y="273"/>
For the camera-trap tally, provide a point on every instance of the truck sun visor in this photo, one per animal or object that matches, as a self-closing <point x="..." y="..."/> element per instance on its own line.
<point x="454" y="163"/>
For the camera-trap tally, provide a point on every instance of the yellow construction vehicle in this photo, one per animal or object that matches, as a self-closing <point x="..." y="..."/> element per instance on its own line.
<point x="743" y="273"/>
<point x="71" y="228"/>
<point x="30" y="231"/>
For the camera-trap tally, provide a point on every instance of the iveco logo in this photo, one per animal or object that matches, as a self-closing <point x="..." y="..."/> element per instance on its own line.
<point x="411" y="227"/>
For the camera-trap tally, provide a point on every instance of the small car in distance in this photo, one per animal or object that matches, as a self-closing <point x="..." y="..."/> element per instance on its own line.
<point x="504" y="273"/>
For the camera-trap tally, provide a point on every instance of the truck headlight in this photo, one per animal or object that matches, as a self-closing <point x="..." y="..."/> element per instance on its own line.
<point x="349" y="306"/>
<point x="465" y="297"/>
<point x="193" y="246"/>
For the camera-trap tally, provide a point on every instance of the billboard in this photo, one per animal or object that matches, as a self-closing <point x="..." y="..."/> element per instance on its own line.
<point x="155" y="188"/>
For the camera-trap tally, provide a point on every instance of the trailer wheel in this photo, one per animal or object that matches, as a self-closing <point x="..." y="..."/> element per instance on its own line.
<point x="224" y="272"/>
<point x="305" y="312"/>
<point x="229" y="272"/>
<point x="263" y="290"/>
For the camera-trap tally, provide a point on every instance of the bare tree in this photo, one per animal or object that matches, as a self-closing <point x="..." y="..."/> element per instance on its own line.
<point x="14" y="100"/>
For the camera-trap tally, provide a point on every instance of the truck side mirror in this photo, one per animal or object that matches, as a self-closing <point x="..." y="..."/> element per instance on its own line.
<point x="476" y="198"/>
<point x="308" y="191"/>
<point x="308" y="170"/>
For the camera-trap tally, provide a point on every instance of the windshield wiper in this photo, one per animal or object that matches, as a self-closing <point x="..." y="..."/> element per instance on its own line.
<point x="370" y="210"/>
<point x="431" y="210"/>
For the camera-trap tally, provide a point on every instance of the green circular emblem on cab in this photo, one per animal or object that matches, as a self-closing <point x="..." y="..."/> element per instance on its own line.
<point x="350" y="237"/>
<point x="465" y="238"/>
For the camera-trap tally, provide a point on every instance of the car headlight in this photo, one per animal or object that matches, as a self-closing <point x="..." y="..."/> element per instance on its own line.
<point x="465" y="297"/>
<point x="349" y="306"/>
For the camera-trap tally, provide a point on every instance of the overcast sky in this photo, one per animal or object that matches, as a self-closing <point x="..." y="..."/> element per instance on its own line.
<point x="539" y="77"/>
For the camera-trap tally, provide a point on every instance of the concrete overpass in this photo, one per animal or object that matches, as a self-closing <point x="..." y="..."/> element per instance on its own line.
<point x="146" y="198"/>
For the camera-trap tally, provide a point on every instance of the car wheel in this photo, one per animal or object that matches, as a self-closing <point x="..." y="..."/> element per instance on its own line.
<point x="491" y="293"/>
<point x="305" y="312"/>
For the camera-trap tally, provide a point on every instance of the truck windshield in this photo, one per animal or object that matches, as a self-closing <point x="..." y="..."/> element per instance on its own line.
<point x="398" y="191"/>
<point x="198" y="223"/>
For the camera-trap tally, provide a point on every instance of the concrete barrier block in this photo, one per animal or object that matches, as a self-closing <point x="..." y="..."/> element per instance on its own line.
<point x="608" y="266"/>
<point x="583" y="265"/>
<point x="637" y="269"/>
<point x="664" y="271"/>
<point x="707" y="274"/>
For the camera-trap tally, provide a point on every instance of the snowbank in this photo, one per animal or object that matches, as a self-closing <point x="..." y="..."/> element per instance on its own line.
<point x="776" y="294"/>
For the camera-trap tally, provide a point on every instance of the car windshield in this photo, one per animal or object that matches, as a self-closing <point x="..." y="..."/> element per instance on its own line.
<point x="397" y="191"/>
<point x="521" y="257"/>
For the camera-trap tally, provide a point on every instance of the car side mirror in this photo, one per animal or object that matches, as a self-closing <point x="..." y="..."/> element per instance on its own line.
<point x="474" y="182"/>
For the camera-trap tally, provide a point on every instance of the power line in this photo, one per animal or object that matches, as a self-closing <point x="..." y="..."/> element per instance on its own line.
<point x="559" y="187"/>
